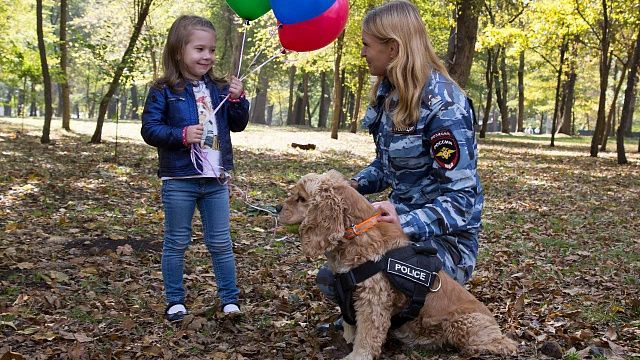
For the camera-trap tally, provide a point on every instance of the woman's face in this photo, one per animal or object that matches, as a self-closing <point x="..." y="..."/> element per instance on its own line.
<point x="378" y="54"/>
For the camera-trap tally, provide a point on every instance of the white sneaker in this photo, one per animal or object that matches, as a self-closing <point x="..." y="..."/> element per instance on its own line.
<point x="231" y="309"/>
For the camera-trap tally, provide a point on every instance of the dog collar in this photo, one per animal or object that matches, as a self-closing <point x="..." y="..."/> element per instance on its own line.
<point x="362" y="227"/>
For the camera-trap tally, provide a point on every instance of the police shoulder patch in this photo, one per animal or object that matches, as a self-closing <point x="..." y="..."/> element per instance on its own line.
<point x="445" y="148"/>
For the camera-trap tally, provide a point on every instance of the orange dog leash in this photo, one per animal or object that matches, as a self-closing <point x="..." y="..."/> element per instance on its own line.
<point x="362" y="227"/>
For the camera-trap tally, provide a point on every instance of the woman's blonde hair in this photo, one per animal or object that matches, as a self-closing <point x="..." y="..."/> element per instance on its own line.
<point x="177" y="39"/>
<point x="400" y="21"/>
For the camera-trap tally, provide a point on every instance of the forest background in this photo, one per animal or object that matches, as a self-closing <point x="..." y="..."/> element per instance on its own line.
<point x="531" y="66"/>
<point x="81" y="218"/>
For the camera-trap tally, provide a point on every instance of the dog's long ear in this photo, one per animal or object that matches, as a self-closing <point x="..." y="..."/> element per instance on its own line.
<point x="323" y="226"/>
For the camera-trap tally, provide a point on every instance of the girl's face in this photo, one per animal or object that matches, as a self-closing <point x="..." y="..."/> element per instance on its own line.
<point x="198" y="56"/>
<point x="378" y="54"/>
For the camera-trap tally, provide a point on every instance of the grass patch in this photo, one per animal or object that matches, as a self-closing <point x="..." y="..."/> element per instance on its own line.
<point x="601" y="314"/>
<point x="572" y="356"/>
<point x="82" y="315"/>
<point x="558" y="243"/>
<point x="264" y="322"/>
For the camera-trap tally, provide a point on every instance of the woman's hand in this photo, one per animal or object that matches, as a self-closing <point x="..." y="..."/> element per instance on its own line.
<point x="236" y="90"/>
<point x="388" y="212"/>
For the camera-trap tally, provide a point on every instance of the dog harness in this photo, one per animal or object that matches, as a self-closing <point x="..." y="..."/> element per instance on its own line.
<point x="411" y="269"/>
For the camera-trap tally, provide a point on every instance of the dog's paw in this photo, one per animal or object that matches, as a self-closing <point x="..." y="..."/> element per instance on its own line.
<point x="499" y="346"/>
<point x="358" y="356"/>
<point x="349" y="333"/>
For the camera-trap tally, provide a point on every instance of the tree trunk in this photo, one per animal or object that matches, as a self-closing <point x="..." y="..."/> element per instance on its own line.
<point x="22" y="99"/>
<point x="33" y="106"/>
<point x="337" y="88"/>
<point x="605" y="42"/>
<point x="362" y="72"/>
<point x="56" y="93"/>
<point x="567" y="112"/>
<point x="142" y="7"/>
<point x="627" y="106"/>
<point x="237" y="46"/>
<point x="270" y="114"/>
<point x="46" y="77"/>
<point x="325" y="100"/>
<point x="111" y="109"/>
<point x="501" y="90"/>
<point x="135" y="103"/>
<point x="6" y="107"/>
<point x="305" y="99"/>
<point x="627" y="129"/>
<point x="462" y="40"/>
<point x="228" y="40"/>
<point x="556" y="106"/>
<point x="292" y="77"/>
<point x="567" y="125"/>
<point x="298" y="107"/>
<point x="64" y="83"/>
<point x="612" y="109"/>
<point x="351" y="99"/>
<point x="488" y="77"/>
<point x="520" y="125"/>
<point x="259" y="106"/>
<point x="123" y="104"/>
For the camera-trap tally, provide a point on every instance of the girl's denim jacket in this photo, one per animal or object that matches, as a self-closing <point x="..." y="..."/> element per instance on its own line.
<point x="165" y="115"/>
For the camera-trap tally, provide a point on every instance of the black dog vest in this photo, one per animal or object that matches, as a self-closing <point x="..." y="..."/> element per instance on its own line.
<point x="411" y="269"/>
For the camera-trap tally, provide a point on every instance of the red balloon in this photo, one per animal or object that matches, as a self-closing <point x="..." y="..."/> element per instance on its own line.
<point x="316" y="32"/>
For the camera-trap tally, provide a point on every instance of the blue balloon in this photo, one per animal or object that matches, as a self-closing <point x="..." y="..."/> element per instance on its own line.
<point x="294" y="11"/>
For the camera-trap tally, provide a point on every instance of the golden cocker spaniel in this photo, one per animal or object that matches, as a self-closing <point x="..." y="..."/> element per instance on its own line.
<point x="325" y="205"/>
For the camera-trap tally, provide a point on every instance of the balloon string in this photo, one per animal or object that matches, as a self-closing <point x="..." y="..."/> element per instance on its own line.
<point x="280" y="52"/>
<point x="255" y="58"/>
<point x="244" y="36"/>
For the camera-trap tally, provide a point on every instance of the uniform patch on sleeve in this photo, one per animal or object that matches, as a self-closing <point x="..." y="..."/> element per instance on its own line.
<point x="445" y="148"/>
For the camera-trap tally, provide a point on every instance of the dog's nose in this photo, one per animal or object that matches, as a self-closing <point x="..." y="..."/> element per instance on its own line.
<point x="278" y="208"/>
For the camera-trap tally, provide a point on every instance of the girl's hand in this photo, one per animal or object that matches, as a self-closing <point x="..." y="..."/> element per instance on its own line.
<point x="388" y="212"/>
<point x="236" y="90"/>
<point x="194" y="134"/>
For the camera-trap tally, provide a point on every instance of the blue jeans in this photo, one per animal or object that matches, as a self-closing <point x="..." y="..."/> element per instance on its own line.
<point x="180" y="197"/>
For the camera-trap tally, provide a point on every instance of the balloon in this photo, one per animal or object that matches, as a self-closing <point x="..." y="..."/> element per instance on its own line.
<point x="250" y="9"/>
<point x="295" y="11"/>
<point x="317" y="32"/>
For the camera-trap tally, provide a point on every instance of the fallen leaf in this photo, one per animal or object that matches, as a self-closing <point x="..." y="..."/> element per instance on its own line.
<point x="8" y="323"/>
<point x="77" y="352"/>
<point x="25" y="266"/>
<point x="617" y="349"/>
<point x="125" y="250"/>
<point x="9" y="355"/>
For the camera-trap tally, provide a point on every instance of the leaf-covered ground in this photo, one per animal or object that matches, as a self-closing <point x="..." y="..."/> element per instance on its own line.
<point x="81" y="234"/>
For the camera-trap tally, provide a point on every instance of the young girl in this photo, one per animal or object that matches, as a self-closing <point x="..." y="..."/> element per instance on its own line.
<point x="195" y="155"/>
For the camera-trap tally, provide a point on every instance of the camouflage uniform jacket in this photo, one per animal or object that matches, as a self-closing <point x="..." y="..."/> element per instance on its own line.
<point x="431" y="169"/>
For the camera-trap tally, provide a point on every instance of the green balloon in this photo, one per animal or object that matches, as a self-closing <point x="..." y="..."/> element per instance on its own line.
<point x="250" y="9"/>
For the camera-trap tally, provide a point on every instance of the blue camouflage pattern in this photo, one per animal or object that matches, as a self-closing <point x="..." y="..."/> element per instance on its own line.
<point x="437" y="206"/>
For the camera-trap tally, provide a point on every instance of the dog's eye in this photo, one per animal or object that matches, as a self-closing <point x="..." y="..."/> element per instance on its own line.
<point x="301" y="199"/>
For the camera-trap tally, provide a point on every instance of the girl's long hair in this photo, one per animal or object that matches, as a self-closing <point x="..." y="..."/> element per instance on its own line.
<point x="400" y="21"/>
<point x="177" y="39"/>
